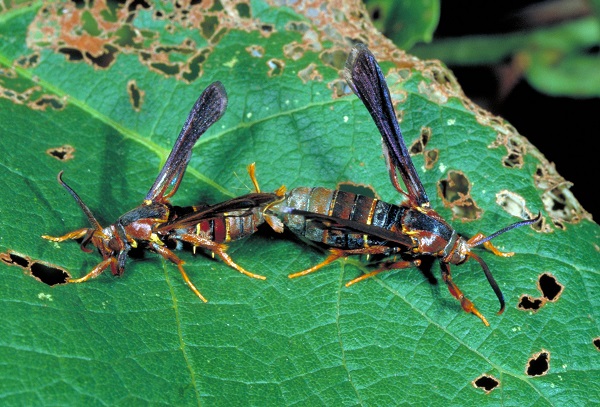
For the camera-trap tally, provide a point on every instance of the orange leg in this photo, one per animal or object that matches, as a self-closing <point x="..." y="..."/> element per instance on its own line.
<point x="169" y="255"/>
<point x="465" y="303"/>
<point x="335" y="254"/>
<point x="219" y="250"/>
<point x="252" y="173"/>
<point x="96" y="271"/>
<point x="488" y="245"/>
<point x="76" y="234"/>
<point x="386" y="267"/>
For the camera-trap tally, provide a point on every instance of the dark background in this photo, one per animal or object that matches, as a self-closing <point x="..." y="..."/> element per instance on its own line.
<point x="564" y="129"/>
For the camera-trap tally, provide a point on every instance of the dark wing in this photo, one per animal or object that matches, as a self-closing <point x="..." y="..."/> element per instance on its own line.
<point x="351" y="226"/>
<point x="242" y="203"/>
<point x="368" y="83"/>
<point x="209" y="108"/>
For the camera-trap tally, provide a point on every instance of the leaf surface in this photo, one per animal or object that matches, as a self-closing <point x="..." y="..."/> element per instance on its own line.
<point x="145" y="338"/>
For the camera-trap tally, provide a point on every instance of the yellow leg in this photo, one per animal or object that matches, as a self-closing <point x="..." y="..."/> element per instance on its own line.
<point x="334" y="254"/>
<point x="219" y="250"/>
<point x="169" y="255"/>
<point x="96" y="271"/>
<point x="488" y="245"/>
<point x="252" y="172"/>
<point x="394" y="266"/>
<point x="76" y="234"/>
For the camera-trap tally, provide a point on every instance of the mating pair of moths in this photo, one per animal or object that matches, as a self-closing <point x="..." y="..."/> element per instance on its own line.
<point x="345" y="222"/>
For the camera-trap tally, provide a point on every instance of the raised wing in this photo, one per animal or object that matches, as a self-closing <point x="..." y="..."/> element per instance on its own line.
<point x="209" y="108"/>
<point x="368" y="83"/>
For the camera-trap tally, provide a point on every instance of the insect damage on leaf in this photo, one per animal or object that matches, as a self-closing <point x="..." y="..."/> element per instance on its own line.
<point x="419" y="147"/>
<point x="136" y="95"/>
<point x="28" y="61"/>
<point x="486" y="383"/>
<point x="255" y="51"/>
<point x="310" y="73"/>
<point x="538" y="364"/>
<point x="276" y="67"/>
<point x="558" y="200"/>
<point x="550" y="289"/>
<point x="515" y="205"/>
<point x="62" y="153"/>
<point x="339" y="88"/>
<point x="96" y="33"/>
<point x="42" y="271"/>
<point x="515" y="148"/>
<point x="13" y="89"/>
<point x="596" y="343"/>
<point x="528" y="303"/>
<point x="455" y="193"/>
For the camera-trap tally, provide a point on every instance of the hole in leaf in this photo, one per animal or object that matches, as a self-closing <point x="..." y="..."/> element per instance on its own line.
<point x="45" y="272"/>
<point x="47" y="101"/>
<point x="596" y="343"/>
<point x="256" y="51"/>
<point x="28" y="61"/>
<point x="455" y="192"/>
<point x="431" y="157"/>
<point x="486" y="383"/>
<point x="420" y="143"/>
<point x="527" y="303"/>
<point x="513" y="204"/>
<point x="72" y="54"/>
<point x="13" y="259"/>
<point x="335" y="59"/>
<point x="310" y="73"/>
<point x="48" y="274"/>
<point x="62" y="153"/>
<point x="136" y="96"/>
<point x="104" y="60"/>
<point x="209" y="26"/>
<point x="167" y="69"/>
<point x="538" y="364"/>
<point x="243" y="10"/>
<point x="266" y="28"/>
<point x="549" y="287"/>
<point x="515" y="150"/>
<point x="339" y="88"/>
<point x="275" y="67"/>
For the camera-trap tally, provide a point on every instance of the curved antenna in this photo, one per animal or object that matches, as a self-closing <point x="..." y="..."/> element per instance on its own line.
<point x="507" y="228"/>
<point x="209" y="108"/>
<point x="491" y="280"/>
<point x="95" y="224"/>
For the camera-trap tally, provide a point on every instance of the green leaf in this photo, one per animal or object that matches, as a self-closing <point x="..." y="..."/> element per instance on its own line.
<point x="405" y="22"/>
<point x="559" y="60"/>
<point x="145" y="338"/>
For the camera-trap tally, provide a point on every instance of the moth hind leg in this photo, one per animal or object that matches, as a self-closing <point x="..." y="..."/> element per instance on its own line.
<point x="218" y="249"/>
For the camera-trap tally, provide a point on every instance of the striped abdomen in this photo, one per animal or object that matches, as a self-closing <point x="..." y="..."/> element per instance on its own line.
<point x="230" y="226"/>
<point x="341" y="205"/>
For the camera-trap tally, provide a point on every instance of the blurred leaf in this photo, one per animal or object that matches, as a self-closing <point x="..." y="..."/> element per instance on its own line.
<point x="561" y="60"/>
<point x="145" y="338"/>
<point x="405" y="22"/>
